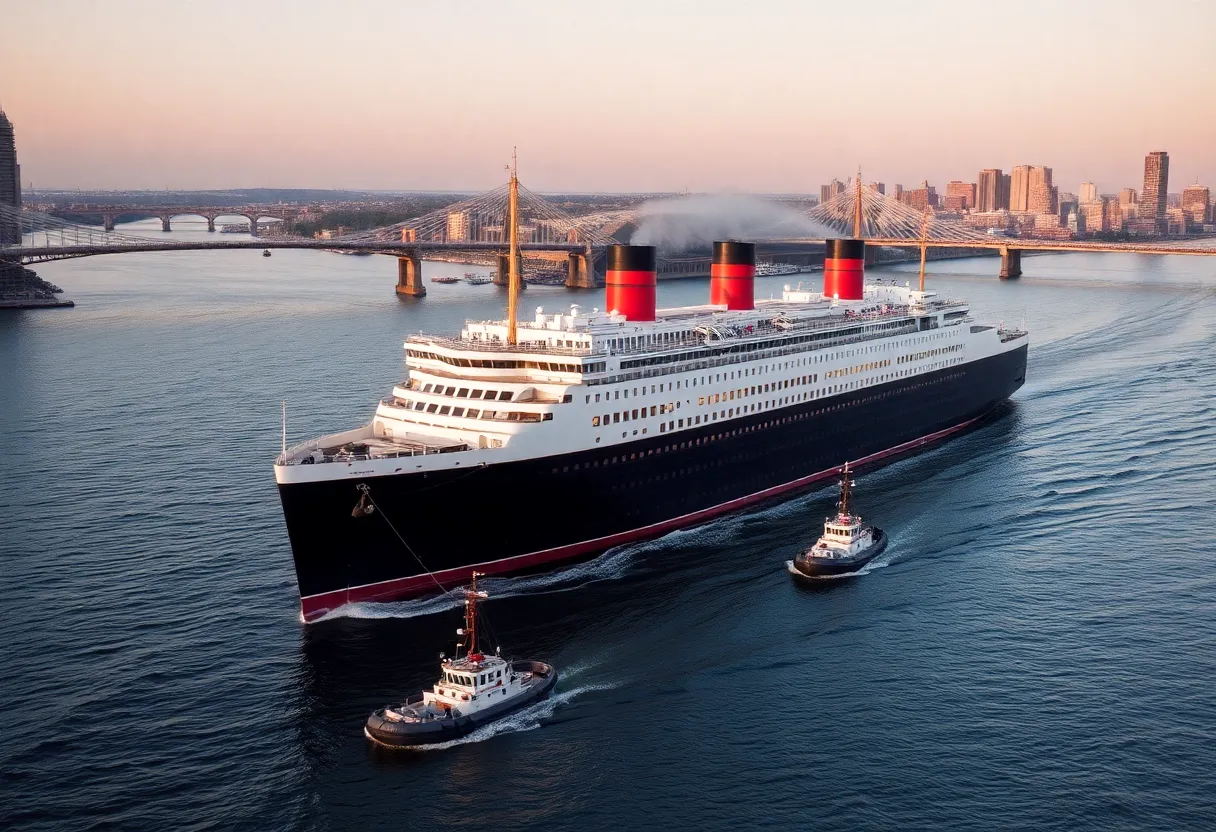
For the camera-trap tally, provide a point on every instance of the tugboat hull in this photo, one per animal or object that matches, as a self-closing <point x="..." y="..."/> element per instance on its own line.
<point x="819" y="568"/>
<point x="385" y="731"/>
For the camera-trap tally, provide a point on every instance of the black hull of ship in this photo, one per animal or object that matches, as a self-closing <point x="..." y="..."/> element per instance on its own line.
<point x="466" y="520"/>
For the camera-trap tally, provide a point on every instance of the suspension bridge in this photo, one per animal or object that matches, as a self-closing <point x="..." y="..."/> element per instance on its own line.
<point x="475" y="227"/>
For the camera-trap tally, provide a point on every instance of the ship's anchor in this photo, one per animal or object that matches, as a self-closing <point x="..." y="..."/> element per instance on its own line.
<point x="364" y="507"/>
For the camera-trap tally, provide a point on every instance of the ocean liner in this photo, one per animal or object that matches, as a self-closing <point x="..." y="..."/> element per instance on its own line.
<point x="518" y="446"/>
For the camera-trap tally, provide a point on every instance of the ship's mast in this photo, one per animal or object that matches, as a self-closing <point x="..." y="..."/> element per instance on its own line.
<point x="513" y="255"/>
<point x="857" y="208"/>
<point x="846" y="487"/>
<point x="924" y="248"/>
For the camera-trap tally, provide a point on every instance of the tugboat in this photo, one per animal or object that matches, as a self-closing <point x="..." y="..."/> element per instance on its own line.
<point x="846" y="545"/>
<point x="473" y="690"/>
<point x="265" y="252"/>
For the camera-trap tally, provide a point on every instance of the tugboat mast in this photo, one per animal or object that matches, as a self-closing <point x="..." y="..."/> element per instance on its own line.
<point x="471" y="597"/>
<point x="846" y="488"/>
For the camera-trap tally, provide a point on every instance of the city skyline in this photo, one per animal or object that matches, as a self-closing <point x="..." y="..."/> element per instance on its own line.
<point x="133" y="95"/>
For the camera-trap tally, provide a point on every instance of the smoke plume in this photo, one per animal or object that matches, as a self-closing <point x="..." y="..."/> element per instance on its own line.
<point x="695" y="222"/>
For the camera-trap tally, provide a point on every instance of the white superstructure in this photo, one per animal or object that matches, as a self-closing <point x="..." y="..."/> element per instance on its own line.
<point x="584" y="379"/>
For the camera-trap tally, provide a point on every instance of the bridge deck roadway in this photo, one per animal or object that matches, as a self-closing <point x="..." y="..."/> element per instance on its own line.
<point x="44" y="253"/>
<point x="58" y="252"/>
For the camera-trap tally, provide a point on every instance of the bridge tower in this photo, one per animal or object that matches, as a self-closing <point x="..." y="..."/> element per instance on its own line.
<point x="164" y="223"/>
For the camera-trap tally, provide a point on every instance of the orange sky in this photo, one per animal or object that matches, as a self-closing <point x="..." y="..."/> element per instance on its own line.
<point x="758" y="96"/>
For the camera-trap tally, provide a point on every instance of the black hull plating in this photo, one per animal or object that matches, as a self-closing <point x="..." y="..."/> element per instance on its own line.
<point x="547" y="510"/>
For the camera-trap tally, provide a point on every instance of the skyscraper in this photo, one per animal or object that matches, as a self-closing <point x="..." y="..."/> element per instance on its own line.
<point x="988" y="190"/>
<point x="1002" y="193"/>
<point x="960" y="195"/>
<point x="1127" y="196"/>
<point x="1089" y="193"/>
<point x="1019" y="188"/>
<point x="1042" y="194"/>
<point x="10" y="181"/>
<point x="1156" y="188"/>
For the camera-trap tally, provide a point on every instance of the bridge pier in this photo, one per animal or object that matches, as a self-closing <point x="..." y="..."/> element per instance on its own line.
<point x="107" y="222"/>
<point x="211" y="224"/>
<point x="409" y="276"/>
<point x="1011" y="263"/>
<point x="580" y="270"/>
<point x="502" y="274"/>
<point x="164" y="224"/>
<point x="253" y="226"/>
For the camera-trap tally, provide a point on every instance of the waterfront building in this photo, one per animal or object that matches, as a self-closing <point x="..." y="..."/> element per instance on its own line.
<point x="1088" y="193"/>
<point x="1127" y="196"/>
<point x="1114" y="216"/>
<point x="880" y="187"/>
<point x="10" y="181"/>
<point x="1066" y="207"/>
<point x="830" y="191"/>
<point x="458" y="227"/>
<point x="958" y="190"/>
<point x="1156" y="189"/>
<point x="1019" y="188"/>
<point x="989" y="190"/>
<point x="1195" y="202"/>
<point x="1096" y="214"/>
<point x="1043" y="197"/>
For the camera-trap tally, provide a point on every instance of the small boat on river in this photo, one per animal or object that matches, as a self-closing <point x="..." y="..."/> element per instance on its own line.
<point x="442" y="278"/>
<point x="846" y="544"/>
<point x="474" y="689"/>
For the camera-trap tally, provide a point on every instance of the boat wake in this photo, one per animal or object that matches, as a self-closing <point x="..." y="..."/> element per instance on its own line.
<point x="529" y="719"/>
<point x="611" y="565"/>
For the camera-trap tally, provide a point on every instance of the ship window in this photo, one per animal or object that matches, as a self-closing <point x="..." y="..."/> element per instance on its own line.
<point x="505" y="396"/>
<point x="473" y="414"/>
<point x="445" y="410"/>
<point x="463" y="392"/>
<point x="457" y="411"/>
<point x="595" y="421"/>
<point x="431" y="408"/>
<point x="427" y="389"/>
<point x="451" y="391"/>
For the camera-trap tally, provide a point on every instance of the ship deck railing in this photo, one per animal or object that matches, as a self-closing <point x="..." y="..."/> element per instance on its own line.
<point x="763" y="329"/>
<point x="377" y="448"/>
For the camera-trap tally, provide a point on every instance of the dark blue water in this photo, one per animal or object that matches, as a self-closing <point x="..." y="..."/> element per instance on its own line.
<point x="1036" y="650"/>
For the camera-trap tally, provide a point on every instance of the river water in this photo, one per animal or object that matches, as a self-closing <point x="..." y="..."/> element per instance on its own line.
<point x="1036" y="649"/>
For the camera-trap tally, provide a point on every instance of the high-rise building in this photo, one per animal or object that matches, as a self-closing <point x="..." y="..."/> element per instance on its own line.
<point x="458" y="226"/>
<point x="1095" y="213"/>
<point x="879" y="186"/>
<point x="1114" y="216"/>
<point x="1088" y="193"/>
<point x="1019" y="188"/>
<point x="1127" y="196"/>
<point x="960" y="194"/>
<point x="1156" y="189"/>
<point x="1043" y="196"/>
<point x="988" y="190"/>
<point x="10" y="182"/>
<point x="830" y="191"/>
<point x="1002" y="193"/>
<point x="1195" y="200"/>
<point x="898" y="193"/>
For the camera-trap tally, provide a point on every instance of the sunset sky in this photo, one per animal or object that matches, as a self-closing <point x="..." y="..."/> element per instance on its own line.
<point x="623" y="96"/>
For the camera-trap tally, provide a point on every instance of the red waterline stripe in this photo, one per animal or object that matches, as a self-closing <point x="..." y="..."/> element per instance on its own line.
<point x="315" y="606"/>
